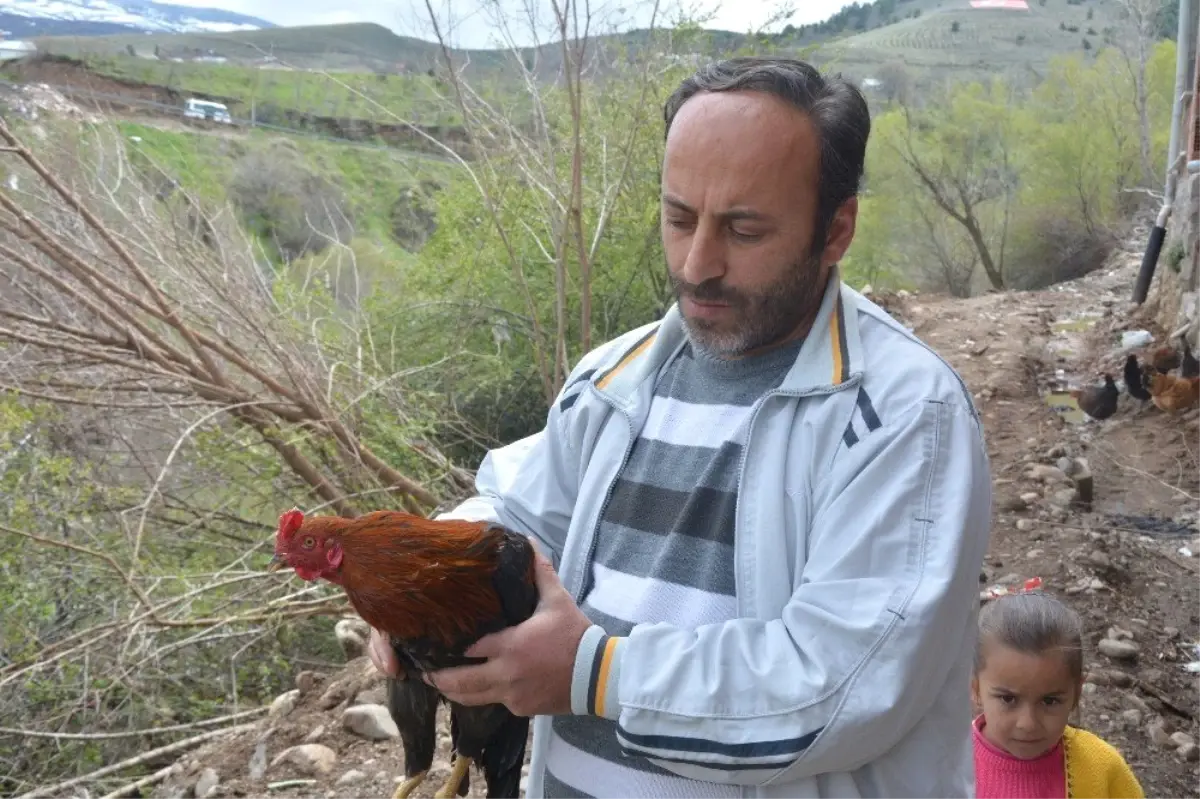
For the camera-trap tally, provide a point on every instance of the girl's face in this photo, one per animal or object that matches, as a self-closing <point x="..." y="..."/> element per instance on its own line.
<point x="1026" y="699"/>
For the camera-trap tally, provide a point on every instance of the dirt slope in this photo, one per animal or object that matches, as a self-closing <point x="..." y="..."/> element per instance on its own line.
<point x="1118" y="562"/>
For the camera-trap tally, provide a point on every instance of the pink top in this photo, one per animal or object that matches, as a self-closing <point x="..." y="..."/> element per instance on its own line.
<point x="999" y="775"/>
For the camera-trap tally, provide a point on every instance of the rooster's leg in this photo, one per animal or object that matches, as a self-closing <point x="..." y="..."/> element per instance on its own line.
<point x="450" y="789"/>
<point x="409" y="785"/>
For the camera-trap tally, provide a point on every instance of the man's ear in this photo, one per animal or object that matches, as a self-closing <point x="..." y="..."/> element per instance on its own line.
<point x="840" y="232"/>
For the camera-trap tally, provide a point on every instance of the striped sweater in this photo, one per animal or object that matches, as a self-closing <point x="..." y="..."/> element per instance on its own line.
<point x="664" y="552"/>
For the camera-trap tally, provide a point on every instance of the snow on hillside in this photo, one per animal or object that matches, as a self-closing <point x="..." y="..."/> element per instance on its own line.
<point x="136" y="15"/>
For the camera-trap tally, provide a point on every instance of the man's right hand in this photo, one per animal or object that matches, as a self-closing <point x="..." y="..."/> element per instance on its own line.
<point x="379" y="648"/>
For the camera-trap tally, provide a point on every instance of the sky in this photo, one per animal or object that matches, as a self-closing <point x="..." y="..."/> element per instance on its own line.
<point x="474" y="22"/>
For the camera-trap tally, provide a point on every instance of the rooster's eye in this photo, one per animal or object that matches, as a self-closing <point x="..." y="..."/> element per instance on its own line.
<point x="308" y="542"/>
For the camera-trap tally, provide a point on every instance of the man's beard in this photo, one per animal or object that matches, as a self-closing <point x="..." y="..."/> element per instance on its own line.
<point x="758" y="319"/>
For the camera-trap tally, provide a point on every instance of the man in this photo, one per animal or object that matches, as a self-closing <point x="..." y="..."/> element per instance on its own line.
<point x="768" y="511"/>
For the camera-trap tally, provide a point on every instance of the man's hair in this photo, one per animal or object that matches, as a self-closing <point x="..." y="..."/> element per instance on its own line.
<point x="1033" y="623"/>
<point x="836" y="107"/>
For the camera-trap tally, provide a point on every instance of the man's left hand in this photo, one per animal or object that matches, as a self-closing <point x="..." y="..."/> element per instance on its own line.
<point x="528" y="666"/>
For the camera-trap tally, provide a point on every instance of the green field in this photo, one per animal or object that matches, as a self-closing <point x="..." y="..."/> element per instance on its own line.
<point x="355" y="95"/>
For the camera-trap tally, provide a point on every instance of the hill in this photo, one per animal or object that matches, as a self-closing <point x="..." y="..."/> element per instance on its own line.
<point x="936" y="39"/>
<point x="27" y="18"/>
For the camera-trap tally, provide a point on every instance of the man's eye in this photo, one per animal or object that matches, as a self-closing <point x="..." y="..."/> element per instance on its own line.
<point x="746" y="235"/>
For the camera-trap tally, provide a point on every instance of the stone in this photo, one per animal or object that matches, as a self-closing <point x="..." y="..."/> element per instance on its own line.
<point x="372" y="722"/>
<point x="1062" y="498"/>
<point x="1026" y="525"/>
<point x="1182" y="739"/>
<point x="206" y="784"/>
<point x="352" y="635"/>
<point x="258" y="762"/>
<point x="1034" y="554"/>
<point x="1132" y="717"/>
<point x="312" y="759"/>
<point x="1171" y="633"/>
<point x="372" y="696"/>
<point x="1089" y="688"/>
<point x="1188" y="753"/>
<point x="1066" y="465"/>
<point x="1047" y="474"/>
<point x="307" y="681"/>
<point x="1099" y="559"/>
<point x="1119" y="650"/>
<point x="351" y="777"/>
<point x="1030" y="497"/>
<point x="1159" y="735"/>
<point x="315" y="735"/>
<point x="284" y="704"/>
<point x="1119" y="634"/>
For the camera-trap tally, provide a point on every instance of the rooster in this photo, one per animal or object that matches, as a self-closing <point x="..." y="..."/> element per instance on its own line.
<point x="434" y="587"/>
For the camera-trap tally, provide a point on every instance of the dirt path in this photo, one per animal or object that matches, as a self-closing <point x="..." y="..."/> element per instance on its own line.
<point x="1118" y="563"/>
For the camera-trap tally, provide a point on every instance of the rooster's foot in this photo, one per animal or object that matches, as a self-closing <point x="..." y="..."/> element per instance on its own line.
<point x="409" y="785"/>
<point x="450" y="790"/>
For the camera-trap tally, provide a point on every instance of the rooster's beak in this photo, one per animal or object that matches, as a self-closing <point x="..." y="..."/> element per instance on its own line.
<point x="276" y="564"/>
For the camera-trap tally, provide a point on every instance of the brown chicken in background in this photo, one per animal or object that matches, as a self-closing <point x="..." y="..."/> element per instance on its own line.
<point x="1173" y="393"/>
<point x="434" y="587"/>
<point x="1164" y="359"/>
<point x="1098" y="402"/>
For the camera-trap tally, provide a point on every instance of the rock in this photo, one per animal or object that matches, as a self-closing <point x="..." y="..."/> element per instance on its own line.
<point x="1055" y="452"/>
<point x="1159" y="735"/>
<point x="1119" y="650"/>
<point x="1182" y="739"/>
<point x="315" y="735"/>
<point x="284" y="704"/>
<point x="1034" y="554"/>
<point x="1096" y="584"/>
<point x="372" y="696"/>
<point x="370" y="721"/>
<point x="1025" y="525"/>
<point x="312" y="759"/>
<point x="1063" y="498"/>
<point x="1118" y="634"/>
<point x="307" y="681"/>
<point x="1188" y="753"/>
<point x="1099" y="559"/>
<point x="1047" y="474"/>
<point x="1132" y="717"/>
<point x="1030" y="497"/>
<point x="352" y="633"/>
<point x="351" y="777"/>
<point x="258" y="762"/>
<point x="1171" y="633"/>
<point x="1089" y="688"/>
<point x="206" y="784"/>
<point x="1066" y="465"/>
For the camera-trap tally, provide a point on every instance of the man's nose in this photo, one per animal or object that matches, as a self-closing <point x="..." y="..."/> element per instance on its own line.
<point x="706" y="255"/>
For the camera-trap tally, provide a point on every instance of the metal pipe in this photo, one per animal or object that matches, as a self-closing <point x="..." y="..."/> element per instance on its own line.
<point x="1185" y="40"/>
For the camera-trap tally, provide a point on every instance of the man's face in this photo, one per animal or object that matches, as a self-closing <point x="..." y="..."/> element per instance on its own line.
<point x="739" y="205"/>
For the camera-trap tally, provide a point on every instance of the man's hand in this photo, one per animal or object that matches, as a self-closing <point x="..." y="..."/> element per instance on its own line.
<point x="529" y="666"/>
<point x="379" y="648"/>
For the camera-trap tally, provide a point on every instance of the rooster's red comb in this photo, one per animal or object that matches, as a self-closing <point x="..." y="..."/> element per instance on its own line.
<point x="289" y="523"/>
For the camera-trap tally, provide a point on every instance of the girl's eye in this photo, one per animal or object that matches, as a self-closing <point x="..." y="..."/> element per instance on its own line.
<point x="308" y="542"/>
<point x="1052" y="700"/>
<point x="1008" y="700"/>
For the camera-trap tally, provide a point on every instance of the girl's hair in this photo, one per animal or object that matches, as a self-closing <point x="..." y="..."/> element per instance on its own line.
<point x="1032" y="623"/>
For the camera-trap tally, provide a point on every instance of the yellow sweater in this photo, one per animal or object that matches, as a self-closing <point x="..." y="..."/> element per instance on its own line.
<point x="1095" y="770"/>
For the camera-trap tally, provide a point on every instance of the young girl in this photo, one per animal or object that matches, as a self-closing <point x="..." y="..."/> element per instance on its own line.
<point x="1028" y="678"/>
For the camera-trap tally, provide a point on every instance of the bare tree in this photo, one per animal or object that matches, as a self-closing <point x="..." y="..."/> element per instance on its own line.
<point x="1141" y="25"/>
<point x="962" y="177"/>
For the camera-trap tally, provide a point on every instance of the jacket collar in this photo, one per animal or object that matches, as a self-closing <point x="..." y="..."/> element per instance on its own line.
<point x="830" y="358"/>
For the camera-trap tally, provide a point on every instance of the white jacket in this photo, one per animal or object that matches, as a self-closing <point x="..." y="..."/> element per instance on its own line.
<point x="862" y="520"/>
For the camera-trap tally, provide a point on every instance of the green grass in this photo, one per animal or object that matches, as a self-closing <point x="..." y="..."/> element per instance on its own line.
<point x="349" y="95"/>
<point x="371" y="178"/>
<point x="951" y="40"/>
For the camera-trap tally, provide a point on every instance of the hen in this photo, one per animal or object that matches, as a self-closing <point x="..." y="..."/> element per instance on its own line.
<point x="1098" y="402"/>
<point x="1174" y="394"/>
<point x="434" y="587"/>
<point x="1135" y="380"/>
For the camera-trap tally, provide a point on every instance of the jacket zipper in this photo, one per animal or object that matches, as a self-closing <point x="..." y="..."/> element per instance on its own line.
<point x="612" y="484"/>
<point x="738" y="576"/>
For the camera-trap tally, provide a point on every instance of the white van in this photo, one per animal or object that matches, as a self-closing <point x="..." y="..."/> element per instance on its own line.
<point x="206" y="109"/>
